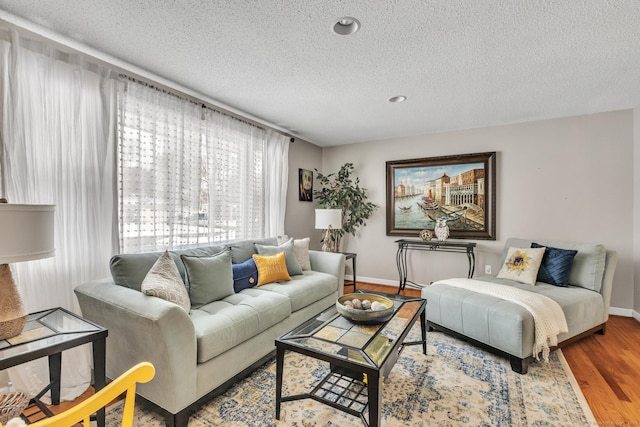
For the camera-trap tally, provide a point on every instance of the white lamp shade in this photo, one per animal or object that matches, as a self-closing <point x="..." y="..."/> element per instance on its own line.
<point x="26" y="232"/>
<point x="326" y="218"/>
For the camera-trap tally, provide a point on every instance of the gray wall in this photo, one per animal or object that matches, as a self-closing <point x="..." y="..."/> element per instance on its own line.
<point x="564" y="179"/>
<point x="636" y="209"/>
<point x="299" y="218"/>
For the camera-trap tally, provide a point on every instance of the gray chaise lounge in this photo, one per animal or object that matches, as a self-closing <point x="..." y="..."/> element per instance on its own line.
<point x="508" y="328"/>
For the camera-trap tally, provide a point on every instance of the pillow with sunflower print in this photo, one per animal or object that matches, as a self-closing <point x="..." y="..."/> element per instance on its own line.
<point x="522" y="265"/>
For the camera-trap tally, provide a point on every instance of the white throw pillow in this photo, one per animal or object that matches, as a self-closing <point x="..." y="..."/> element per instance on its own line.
<point x="522" y="265"/>
<point x="301" y="249"/>
<point x="164" y="281"/>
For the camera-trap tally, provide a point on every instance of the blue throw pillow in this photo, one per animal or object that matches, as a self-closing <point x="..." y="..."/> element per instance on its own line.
<point x="556" y="265"/>
<point x="245" y="275"/>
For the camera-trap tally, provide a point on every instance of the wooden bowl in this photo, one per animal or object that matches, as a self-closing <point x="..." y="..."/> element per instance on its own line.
<point x="365" y="316"/>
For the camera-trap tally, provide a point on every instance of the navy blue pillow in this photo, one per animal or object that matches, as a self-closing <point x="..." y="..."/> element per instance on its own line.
<point x="245" y="275"/>
<point x="556" y="265"/>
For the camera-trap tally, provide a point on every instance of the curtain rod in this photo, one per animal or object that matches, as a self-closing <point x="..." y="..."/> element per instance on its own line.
<point x="118" y="66"/>
<point x="198" y="102"/>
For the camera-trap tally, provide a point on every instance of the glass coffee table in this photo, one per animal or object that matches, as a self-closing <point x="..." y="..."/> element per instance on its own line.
<point x="360" y="356"/>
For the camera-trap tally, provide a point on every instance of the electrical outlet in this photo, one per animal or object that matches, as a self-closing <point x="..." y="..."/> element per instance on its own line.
<point x="487" y="269"/>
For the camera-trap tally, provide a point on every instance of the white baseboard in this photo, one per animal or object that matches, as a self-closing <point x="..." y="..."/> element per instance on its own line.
<point x="615" y="311"/>
<point x="374" y="280"/>
<point x="626" y="312"/>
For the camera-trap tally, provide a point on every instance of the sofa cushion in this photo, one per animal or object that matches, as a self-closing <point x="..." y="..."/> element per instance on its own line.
<point x="271" y="268"/>
<point x="245" y="275"/>
<point x="293" y="266"/>
<point x="223" y="324"/>
<point x="208" y="278"/>
<point x="129" y="270"/>
<point x="242" y="251"/>
<point x="556" y="265"/>
<point x="522" y="265"/>
<point x="305" y="289"/>
<point x="164" y="281"/>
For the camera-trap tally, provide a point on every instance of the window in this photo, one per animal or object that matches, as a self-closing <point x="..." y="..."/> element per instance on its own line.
<point x="188" y="175"/>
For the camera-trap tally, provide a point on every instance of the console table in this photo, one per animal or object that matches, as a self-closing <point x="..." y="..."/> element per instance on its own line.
<point x="405" y="245"/>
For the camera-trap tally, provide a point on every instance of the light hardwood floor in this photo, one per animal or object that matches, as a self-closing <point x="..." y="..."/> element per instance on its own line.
<point x="607" y="368"/>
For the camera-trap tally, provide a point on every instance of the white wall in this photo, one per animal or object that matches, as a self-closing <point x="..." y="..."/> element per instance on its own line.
<point x="565" y="179"/>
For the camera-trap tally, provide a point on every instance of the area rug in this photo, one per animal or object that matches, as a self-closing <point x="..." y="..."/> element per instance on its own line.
<point x="455" y="384"/>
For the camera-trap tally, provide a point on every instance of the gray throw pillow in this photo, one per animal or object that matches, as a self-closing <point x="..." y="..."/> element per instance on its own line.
<point x="245" y="249"/>
<point x="293" y="266"/>
<point x="209" y="278"/>
<point x="129" y="270"/>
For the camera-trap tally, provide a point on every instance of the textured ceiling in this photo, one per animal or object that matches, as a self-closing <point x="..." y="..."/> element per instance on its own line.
<point x="461" y="63"/>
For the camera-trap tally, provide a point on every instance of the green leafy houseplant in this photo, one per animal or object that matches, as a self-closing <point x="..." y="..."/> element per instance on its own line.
<point x="341" y="191"/>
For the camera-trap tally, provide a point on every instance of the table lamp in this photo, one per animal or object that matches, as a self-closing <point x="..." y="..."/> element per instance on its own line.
<point x="27" y="234"/>
<point x="329" y="219"/>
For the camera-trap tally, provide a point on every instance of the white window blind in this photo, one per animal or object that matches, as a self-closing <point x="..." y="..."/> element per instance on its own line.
<point x="187" y="175"/>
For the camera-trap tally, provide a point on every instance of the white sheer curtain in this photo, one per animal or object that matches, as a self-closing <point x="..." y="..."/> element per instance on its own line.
<point x="235" y="181"/>
<point x="58" y="124"/>
<point x="160" y="168"/>
<point x="277" y="177"/>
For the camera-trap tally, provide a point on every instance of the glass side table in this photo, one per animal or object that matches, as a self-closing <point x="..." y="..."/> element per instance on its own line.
<point x="49" y="333"/>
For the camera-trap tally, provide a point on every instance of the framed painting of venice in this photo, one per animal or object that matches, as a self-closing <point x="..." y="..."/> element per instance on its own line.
<point x="459" y="189"/>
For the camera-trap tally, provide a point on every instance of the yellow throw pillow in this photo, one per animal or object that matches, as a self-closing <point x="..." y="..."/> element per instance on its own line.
<point x="271" y="268"/>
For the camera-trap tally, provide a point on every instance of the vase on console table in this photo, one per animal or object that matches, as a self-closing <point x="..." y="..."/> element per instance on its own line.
<point x="441" y="230"/>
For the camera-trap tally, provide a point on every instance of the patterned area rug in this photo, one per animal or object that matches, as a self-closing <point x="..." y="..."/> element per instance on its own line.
<point x="455" y="384"/>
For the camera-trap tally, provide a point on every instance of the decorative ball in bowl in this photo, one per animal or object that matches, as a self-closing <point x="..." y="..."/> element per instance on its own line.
<point x="365" y="308"/>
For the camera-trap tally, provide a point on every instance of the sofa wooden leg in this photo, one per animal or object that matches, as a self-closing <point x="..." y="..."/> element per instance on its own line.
<point x="519" y="365"/>
<point x="177" y="420"/>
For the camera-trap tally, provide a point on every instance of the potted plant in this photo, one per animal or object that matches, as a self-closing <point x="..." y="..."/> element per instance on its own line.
<point x="341" y="191"/>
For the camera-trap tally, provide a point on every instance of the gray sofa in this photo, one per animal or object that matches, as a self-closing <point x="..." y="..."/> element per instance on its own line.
<point x="199" y="354"/>
<point x="507" y="327"/>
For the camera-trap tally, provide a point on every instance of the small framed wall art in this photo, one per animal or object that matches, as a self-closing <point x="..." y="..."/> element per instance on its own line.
<point x="305" y="185"/>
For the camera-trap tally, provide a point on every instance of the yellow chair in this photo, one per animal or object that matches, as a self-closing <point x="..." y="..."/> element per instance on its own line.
<point x="141" y="373"/>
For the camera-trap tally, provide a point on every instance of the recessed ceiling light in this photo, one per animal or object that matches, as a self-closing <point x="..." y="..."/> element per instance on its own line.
<point x="346" y="26"/>
<point x="399" y="98"/>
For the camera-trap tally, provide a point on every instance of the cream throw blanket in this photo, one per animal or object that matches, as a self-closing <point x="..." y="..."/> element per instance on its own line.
<point x="548" y="317"/>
